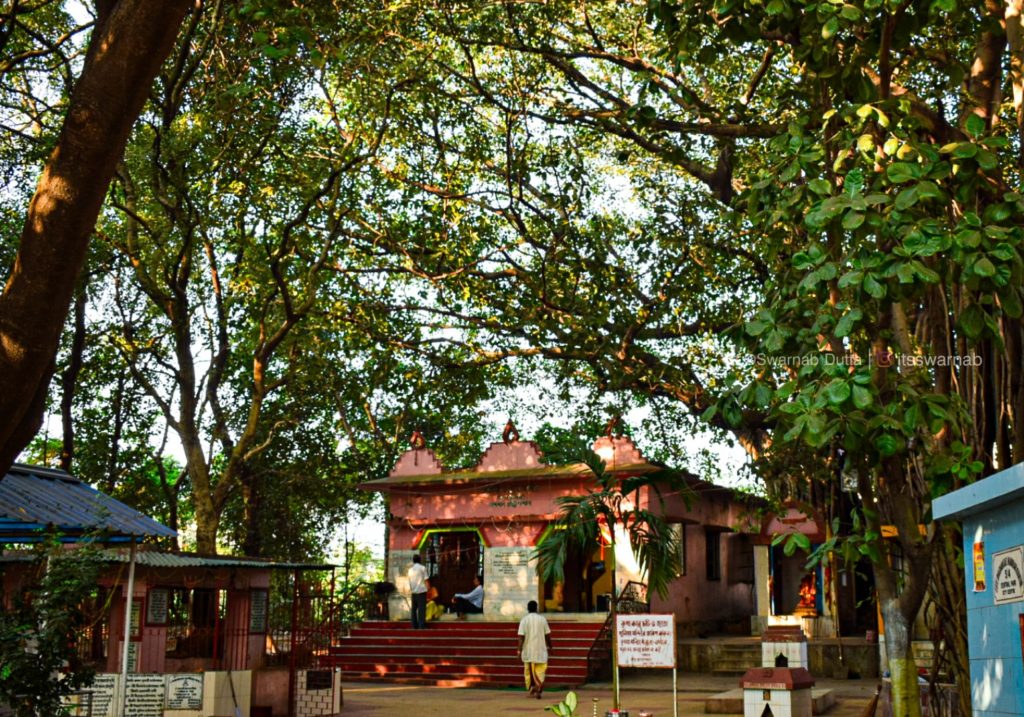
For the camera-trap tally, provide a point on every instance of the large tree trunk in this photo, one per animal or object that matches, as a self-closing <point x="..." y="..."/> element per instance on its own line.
<point x="129" y="43"/>
<point x="906" y="695"/>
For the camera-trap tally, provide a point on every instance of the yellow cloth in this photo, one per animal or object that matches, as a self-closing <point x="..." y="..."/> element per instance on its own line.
<point x="434" y="611"/>
<point x="534" y="673"/>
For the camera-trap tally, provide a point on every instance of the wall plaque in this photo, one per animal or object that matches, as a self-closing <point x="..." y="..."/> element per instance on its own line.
<point x="1008" y="575"/>
<point x="184" y="692"/>
<point x="156" y="606"/>
<point x="258" y="604"/>
<point x="145" y="696"/>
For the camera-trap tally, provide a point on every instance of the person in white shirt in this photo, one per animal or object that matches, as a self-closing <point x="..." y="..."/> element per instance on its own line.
<point x="534" y="646"/>
<point x="418" y="589"/>
<point x="471" y="602"/>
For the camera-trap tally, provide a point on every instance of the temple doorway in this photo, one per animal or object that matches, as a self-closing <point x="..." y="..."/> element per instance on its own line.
<point x="453" y="559"/>
<point x="587" y="583"/>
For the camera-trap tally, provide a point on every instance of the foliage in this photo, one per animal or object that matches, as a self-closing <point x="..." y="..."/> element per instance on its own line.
<point x="565" y="708"/>
<point x="38" y="630"/>
<point x="623" y="505"/>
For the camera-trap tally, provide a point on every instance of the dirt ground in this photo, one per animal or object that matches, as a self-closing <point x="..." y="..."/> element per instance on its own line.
<point x="648" y="692"/>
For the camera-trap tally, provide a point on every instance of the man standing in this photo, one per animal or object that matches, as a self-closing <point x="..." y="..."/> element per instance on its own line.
<point x="418" y="588"/>
<point x="534" y="644"/>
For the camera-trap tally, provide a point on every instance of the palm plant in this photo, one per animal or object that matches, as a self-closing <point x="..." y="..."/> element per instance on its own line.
<point x="616" y="503"/>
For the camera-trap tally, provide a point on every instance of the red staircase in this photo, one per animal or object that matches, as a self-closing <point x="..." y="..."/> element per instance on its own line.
<point x="459" y="654"/>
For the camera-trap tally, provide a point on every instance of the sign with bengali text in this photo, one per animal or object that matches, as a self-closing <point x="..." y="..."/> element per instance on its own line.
<point x="646" y="640"/>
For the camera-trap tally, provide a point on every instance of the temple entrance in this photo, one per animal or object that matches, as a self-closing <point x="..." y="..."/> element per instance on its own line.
<point x="587" y="583"/>
<point x="453" y="559"/>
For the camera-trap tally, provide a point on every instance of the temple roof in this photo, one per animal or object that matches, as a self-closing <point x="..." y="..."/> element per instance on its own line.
<point x="510" y="459"/>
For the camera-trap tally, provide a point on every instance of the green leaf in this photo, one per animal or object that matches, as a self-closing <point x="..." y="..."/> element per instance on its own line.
<point x="820" y="186"/>
<point x="1011" y="303"/>
<point x="850" y="12"/>
<point x="830" y="28"/>
<point x="571" y="702"/>
<point x="965" y="150"/>
<point x="975" y="125"/>
<point x="887" y="445"/>
<point x="756" y="327"/>
<point x="851" y="278"/>
<point x="874" y="289"/>
<point x="900" y="172"/>
<point x="972" y="321"/>
<point x="907" y="198"/>
<point x="852" y="220"/>
<point x="837" y="391"/>
<point x="862" y="397"/>
<point x="845" y="325"/>
<point x="987" y="160"/>
<point x="984" y="267"/>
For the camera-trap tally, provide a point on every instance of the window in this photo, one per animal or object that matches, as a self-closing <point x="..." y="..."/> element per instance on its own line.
<point x="713" y="542"/>
<point x="679" y="533"/>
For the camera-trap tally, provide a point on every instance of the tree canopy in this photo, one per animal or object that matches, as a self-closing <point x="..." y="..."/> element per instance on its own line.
<point x="796" y="220"/>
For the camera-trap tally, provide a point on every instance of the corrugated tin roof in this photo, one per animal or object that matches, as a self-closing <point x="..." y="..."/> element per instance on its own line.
<point x="33" y="499"/>
<point x="159" y="559"/>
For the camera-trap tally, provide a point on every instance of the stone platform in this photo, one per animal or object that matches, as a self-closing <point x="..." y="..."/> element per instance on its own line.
<point x="731" y="702"/>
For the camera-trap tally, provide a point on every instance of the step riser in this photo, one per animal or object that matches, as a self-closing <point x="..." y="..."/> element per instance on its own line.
<point x="458" y="654"/>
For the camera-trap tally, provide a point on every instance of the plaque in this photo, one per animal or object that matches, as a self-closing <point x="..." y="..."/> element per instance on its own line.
<point x="133" y="656"/>
<point x="102" y="693"/>
<point x="184" y="692"/>
<point x="145" y="696"/>
<point x="258" y="602"/>
<point x="156" y="606"/>
<point x="136" y="624"/>
<point x="1008" y="575"/>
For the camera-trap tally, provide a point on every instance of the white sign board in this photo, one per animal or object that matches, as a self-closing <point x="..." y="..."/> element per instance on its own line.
<point x="1008" y="575"/>
<point x="646" y="640"/>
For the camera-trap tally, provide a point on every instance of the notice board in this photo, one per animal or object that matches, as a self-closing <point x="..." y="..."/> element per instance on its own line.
<point x="646" y="640"/>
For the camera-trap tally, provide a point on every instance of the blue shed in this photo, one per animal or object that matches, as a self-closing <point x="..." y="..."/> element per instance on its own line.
<point x="992" y="513"/>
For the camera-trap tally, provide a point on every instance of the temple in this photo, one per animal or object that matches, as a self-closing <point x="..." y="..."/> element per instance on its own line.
<point x="486" y="521"/>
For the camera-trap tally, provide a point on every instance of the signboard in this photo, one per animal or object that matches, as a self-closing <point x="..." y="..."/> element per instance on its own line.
<point x="145" y="697"/>
<point x="646" y="640"/>
<point x="156" y="606"/>
<point x="133" y="655"/>
<point x="136" y="619"/>
<point x="1008" y="575"/>
<point x="102" y="689"/>
<point x="258" y="602"/>
<point x="185" y="692"/>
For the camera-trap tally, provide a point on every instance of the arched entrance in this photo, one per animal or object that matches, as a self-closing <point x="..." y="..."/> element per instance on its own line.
<point x="453" y="558"/>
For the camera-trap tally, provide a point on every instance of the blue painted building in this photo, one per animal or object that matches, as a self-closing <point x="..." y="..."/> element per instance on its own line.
<point x="992" y="513"/>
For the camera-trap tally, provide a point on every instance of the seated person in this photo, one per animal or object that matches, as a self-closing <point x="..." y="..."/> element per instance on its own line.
<point x="434" y="607"/>
<point x="471" y="602"/>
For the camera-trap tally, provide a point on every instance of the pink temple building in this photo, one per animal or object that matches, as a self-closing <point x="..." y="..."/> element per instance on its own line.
<point x="487" y="521"/>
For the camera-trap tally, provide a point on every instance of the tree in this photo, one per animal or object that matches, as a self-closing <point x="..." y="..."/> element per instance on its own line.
<point x="130" y="40"/>
<point x="843" y="187"/>
<point x="39" y="665"/>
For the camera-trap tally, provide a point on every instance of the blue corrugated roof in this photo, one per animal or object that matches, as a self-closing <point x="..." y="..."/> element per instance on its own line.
<point x="33" y="499"/>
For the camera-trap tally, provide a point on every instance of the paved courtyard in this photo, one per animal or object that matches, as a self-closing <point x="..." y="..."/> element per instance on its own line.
<point x="650" y="692"/>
